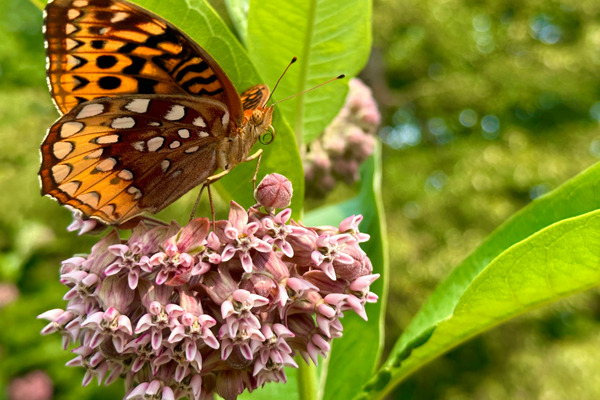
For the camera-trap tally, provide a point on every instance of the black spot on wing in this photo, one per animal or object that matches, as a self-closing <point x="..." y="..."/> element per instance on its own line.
<point x="146" y="86"/>
<point x="106" y="61"/>
<point x="109" y="82"/>
<point x="98" y="44"/>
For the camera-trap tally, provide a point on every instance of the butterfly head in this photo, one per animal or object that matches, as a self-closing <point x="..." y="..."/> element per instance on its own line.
<point x="257" y="116"/>
<point x="259" y="125"/>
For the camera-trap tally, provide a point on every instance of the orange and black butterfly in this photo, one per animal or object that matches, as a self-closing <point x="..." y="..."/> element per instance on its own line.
<point x="148" y="114"/>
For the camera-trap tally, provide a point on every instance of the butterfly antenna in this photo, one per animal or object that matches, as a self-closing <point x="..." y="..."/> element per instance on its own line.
<point x="279" y="80"/>
<point x="311" y="89"/>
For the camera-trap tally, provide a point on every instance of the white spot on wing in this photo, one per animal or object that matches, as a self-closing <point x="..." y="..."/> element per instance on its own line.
<point x="118" y="17"/>
<point x="62" y="149"/>
<point x="106" y="164"/>
<point x="125" y="174"/>
<point x="202" y="134"/>
<point x="225" y="119"/>
<point x="108" y="209"/>
<point x="154" y="123"/>
<point x="122" y="123"/>
<point x="164" y="165"/>
<point x="73" y="62"/>
<point x="175" y="113"/>
<point x="176" y="173"/>
<point x="138" y="105"/>
<point x="191" y="150"/>
<point x="155" y="143"/>
<point x="70" y="128"/>
<point x="91" y="198"/>
<point x="199" y="121"/>
<point x="174" y="144"/>
<point x="91" y="110"/>
<point x="73" y="13"/>
<point x="183" y="133"/>
<point x="139" y="146"/>
<point x="137" y="193"/>
<point x="70" y="187"/>
<point x="60" y="172"/>
<point x="70" y="28"/>
<point x="70" y="43"/>
<point x="95" y="154"/>
<point x="107" y="139"/>
<point x="80" y="3"/>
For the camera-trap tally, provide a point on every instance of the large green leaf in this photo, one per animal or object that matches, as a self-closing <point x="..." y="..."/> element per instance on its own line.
<point x="355" y="355"/>
<point x="547" y="251"/>
<point x="238" y="12"/>
<point x="329" y="37"/>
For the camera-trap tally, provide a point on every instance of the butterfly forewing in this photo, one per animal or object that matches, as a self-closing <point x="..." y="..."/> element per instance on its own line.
<point x="109" y="48"/>
<point x="114" y="158"/>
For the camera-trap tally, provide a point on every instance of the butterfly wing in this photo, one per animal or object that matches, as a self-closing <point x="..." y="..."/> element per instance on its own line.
<point x="110" y="48"/>
<point x="255" y="97"/>
<point x="116" y="158"/>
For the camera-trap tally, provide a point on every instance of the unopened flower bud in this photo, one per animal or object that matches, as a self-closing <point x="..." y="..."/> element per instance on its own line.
<point x="274" y="191"/>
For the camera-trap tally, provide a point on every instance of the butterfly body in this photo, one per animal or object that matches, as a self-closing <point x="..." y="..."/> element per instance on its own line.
<point x="147" y="113"/>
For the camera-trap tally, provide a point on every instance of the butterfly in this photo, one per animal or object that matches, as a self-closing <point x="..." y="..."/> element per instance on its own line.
<point x="147" y="114"/>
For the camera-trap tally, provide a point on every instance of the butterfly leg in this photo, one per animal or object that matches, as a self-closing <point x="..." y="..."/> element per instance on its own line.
<point x="196" y="203"/>
<point x="256" y="156"/>
<point x="210" y="180"/>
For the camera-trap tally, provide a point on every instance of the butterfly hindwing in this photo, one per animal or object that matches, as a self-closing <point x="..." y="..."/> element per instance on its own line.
<point x="255" y="97"/>
<point x="109" y="48"/>
<point x="114" y="158"/>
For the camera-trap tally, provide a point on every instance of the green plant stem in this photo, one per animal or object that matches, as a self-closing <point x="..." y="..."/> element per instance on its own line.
<point x="307" y="381"/>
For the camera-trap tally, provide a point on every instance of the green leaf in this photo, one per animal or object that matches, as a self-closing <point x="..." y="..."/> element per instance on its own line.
<point x="238" y="12"/>
<point x="288" y="390"/>
<point x="545" y="252"/>
<point x="203" y="25"/>
<point x="39" y="3"/>
<point x="355" y="355"/>
<point x="329" y="37"/>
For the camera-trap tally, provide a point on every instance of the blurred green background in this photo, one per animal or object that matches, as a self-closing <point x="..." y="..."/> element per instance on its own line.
<point x="486" y="105"/>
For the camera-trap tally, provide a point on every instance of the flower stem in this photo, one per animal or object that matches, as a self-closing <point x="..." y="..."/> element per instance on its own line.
<point x="307" y="381"/>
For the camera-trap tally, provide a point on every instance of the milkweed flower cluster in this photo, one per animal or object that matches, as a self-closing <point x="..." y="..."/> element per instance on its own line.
<point x="192" y="311"/>
<point x="344" y="145"/>
<point x="35" y="385"/>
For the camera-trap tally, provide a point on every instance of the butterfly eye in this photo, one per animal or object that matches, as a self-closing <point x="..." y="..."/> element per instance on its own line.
<point x="257" y="117"/>
<point x="268" y="136"/>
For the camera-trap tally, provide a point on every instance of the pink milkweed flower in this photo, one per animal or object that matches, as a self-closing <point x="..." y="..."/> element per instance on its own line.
<point x="185" y="312"/>
<point x="151" y="390"/>
<point x="241" y="237"/>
